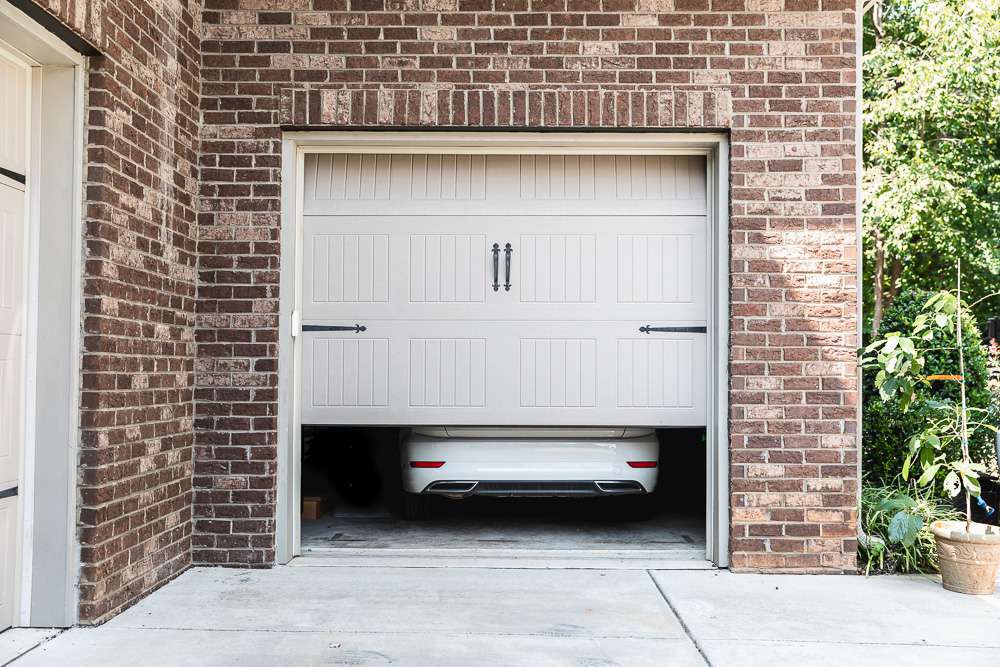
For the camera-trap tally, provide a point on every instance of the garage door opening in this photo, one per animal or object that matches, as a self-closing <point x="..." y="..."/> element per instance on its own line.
<point x="353" y="507"/>
<point x="564" y="286"/>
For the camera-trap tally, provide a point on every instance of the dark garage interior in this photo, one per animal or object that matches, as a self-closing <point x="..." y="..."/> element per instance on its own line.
<point x="351" y="481"/>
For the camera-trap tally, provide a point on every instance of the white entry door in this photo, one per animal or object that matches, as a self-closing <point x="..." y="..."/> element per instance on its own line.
<point x="13" y="130"/>
<point x="504" y="289"/>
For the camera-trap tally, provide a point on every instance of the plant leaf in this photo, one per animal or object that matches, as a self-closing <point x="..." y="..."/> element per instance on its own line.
<point x="897" y="503"/>
<point x="904" y="527"/>
<point x="952" y="485"/>
<point x="928" y="475"/>
<point x="907" y="346"/>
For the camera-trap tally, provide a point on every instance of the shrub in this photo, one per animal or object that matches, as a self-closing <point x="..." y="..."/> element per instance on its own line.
<point x="886" y="428"/>
<point x="895" y="527"/>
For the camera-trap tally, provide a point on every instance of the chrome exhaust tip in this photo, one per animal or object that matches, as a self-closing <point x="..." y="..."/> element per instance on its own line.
<point x="453" y="489"/>
<point x="619" y="487"/>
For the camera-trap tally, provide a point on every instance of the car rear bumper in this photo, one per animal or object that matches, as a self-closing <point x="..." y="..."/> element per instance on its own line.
<point x="529" y="467"/>
<point x="535" y="489"/>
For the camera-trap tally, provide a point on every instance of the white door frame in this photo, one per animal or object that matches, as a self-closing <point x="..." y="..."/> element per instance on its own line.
<point x="713" y="146"/>
<point x="49" y="554"/>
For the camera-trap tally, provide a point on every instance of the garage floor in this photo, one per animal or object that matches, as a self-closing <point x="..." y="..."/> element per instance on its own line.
<point x="489" y="532"/>
<point x="441" y="617"/>
<point x="535" y="525"/>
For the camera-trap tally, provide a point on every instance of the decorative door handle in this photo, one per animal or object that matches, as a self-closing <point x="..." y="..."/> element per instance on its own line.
<point x="648" y="329"/>
<point x="357" y="328"/>
<point x="506" y="262"/>
<point x="496" y="267"/>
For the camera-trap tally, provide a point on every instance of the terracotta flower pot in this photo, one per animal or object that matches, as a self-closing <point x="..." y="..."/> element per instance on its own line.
<point x="968" y="561"/>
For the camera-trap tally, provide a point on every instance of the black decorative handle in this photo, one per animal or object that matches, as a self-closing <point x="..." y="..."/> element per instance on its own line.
<point x="649" y="329"/>
<point x="496" y="267"/>
<point x="506" y="263"/>
<point x="357" y="328"/>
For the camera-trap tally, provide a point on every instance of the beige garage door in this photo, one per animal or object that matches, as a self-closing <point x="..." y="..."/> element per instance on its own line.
<point x="504" y="289"/>
<point x="13" y="130"/>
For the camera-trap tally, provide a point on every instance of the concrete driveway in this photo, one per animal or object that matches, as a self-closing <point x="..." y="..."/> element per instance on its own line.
<point x="306" y="615"/>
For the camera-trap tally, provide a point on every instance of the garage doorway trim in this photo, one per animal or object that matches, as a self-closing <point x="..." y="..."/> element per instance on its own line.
<point x="296" y="145"/>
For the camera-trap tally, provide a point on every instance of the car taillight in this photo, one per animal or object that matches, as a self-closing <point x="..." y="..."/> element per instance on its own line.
<point x="426" y="464"/>
<point x="642" y="464"/>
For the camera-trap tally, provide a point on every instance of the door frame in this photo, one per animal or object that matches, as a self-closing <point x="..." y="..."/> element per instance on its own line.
<point x="714" y="146"/>
<point x="49" y="554"/>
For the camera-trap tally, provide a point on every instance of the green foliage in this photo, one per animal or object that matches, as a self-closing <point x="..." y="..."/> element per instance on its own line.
<point x="993" y="355"/>
<point x="934" y="450"/>
<point x="895" y="522"/>
<point x="903" y="404"/>
<point x="932" y="148"/>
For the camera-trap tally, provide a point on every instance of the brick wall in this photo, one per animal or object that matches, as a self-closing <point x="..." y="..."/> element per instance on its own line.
<point x="139" y="292"/>
<point x="779" y="73"/>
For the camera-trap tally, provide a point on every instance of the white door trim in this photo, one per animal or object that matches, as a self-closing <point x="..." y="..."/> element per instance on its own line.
<point x="49" y="554"/>
<point x="714" y="146"/>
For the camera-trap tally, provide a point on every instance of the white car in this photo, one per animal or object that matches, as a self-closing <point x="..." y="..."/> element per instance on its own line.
<point x="459" y="462"/>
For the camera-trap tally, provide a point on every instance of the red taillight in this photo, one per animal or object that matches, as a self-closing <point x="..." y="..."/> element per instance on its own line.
<point x="426" y="464"/>
<point x="642" y="464"/>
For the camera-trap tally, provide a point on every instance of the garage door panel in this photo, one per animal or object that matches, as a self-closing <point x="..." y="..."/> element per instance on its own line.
<point x="9" y="528"/>
<point x="352" y="268"/>
<point x="447" y="372"/>
<point x="10" y="404"/>
<point x="656" y="373"/>
<point x="348" y="372"/>
<point x="561" y="268"/>
<point x="338" y="184"/>
<point x="451" y="208"/>
<point x="404" y="176"/>
<point x="11" y="259"/>
<point x="656" y="268"/>
<point x="447" y="268"/>
<point x="531" y="373"/>
<point x="602" y="274"/>
<point x="558" y="372"/>
<point x="392" y="272"/>
<point x="557" y="268"/>
<point x="13" y="115"/>
<point x="400" y="372"/>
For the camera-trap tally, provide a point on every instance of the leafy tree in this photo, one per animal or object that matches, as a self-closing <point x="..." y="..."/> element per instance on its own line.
<point x="931" y="149"/>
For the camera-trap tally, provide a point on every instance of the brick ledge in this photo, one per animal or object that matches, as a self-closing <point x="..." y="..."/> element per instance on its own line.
<point x="702" y="108"/>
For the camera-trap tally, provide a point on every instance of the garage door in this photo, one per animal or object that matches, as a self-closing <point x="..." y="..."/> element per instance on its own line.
<point x="13" y="123"/>
<point x="504" y="289"/>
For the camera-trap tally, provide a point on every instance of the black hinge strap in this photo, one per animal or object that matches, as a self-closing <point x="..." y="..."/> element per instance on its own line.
<point x="8" y="493"/>
<point x="648" y="329"/>
<point x="13" y="175"/>
<point x="357" y="328"/>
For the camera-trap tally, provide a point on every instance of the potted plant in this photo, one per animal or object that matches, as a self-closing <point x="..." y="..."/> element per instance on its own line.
<point x="968" y="552"/>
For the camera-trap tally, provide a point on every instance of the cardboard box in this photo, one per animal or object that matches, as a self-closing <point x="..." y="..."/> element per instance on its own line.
<point x="313" y="507"/>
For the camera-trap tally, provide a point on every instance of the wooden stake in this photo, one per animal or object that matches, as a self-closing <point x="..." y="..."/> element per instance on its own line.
<point x="966" y="458"/>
